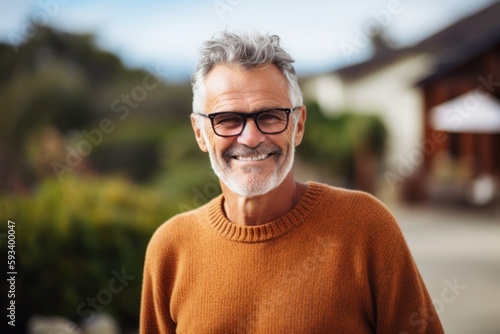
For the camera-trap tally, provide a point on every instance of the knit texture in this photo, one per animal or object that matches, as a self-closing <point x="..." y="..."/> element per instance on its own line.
<point x="336" y="263"/>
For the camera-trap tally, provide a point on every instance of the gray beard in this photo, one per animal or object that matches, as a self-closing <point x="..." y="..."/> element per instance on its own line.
<point x="255" y="186"/>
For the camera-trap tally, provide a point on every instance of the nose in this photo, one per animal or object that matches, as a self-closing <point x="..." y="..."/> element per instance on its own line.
<point x="251" y="135"/>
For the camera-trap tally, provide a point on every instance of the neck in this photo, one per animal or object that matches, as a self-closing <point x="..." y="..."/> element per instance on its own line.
<point x="265" y="208"/>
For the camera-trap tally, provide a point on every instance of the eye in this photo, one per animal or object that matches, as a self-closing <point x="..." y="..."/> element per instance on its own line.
<point x="228" y="119"/>
<point x="272" y="116"/>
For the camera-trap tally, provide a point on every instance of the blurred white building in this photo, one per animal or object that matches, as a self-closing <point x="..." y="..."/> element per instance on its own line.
<point x="387" y="85"/>
<point x="384" y="85"/>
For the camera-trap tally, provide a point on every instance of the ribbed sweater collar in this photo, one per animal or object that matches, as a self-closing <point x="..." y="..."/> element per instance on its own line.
<point x="273" y="229"/>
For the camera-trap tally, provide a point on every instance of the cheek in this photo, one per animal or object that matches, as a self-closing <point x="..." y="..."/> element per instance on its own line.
<point x="209" y="138"/>
<point x="219" y="144"/>
<point x="289" y="139"/>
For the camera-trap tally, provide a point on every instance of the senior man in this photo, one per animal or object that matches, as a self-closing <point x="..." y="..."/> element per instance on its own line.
<point x="270" y="254"/>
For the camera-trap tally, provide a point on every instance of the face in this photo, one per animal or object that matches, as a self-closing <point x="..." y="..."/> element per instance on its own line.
<point x="252" y="163"/>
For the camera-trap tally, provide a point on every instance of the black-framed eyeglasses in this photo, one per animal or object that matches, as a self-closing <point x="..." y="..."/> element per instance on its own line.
<point x="269" y="121"/>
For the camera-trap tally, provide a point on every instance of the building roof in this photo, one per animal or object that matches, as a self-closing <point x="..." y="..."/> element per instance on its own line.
<point x="382" y="56"/>
<point x="459" y="54"/>
<point x="453" y="45"/>
<point x="476" y="25"/>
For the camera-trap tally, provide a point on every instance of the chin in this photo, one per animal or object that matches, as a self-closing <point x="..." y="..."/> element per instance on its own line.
<point x="252" y="186"/>
<point x="248" y="192"/>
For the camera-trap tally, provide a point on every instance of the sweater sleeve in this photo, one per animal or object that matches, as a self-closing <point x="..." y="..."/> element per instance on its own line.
<point x="156" y="289"/>
<point x="403" y="305"/>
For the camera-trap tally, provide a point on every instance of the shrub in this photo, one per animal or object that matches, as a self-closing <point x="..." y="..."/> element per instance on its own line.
<point x="74" y="237"/>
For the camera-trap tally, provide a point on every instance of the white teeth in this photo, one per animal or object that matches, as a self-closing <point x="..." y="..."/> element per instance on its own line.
<point x="255" y="158"/>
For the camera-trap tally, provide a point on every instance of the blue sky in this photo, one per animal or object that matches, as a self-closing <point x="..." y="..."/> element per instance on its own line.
<point x="168" y="33"/>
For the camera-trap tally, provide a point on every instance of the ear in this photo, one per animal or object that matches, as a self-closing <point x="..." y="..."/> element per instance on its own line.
<point x="301" y="123"/>
<point x="198" y="135"/>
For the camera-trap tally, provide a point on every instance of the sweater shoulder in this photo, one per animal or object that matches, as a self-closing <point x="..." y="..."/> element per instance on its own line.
<point x="356" y="212"/>
<point x="348" y="200"/>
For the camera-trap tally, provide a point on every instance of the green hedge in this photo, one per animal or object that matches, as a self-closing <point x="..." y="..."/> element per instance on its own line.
<point x="333" y="140"/>
<point x="78" y="244"/>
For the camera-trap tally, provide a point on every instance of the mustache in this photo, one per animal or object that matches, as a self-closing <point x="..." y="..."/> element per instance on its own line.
<point x="260" y="149"/>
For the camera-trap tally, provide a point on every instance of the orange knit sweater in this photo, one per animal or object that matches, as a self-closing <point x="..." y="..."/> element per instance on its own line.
<point x="337" y="263"/>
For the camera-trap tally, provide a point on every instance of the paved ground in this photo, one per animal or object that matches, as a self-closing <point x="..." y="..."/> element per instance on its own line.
<point x="457" y="247"/>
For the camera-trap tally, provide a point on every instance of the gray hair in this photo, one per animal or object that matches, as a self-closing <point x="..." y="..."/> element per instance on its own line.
<point x="246" y="50"/>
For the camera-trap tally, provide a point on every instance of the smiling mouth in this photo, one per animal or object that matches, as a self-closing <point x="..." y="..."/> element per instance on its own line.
<point x="252" y="158"/>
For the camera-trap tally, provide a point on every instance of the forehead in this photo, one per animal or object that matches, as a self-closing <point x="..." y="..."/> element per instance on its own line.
<point x="231" y="88"/>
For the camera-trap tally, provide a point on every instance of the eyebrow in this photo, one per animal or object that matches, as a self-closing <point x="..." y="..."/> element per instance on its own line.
<point x="250" y="112"/>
